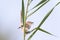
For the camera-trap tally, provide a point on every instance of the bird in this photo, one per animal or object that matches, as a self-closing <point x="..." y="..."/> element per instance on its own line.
<point x="27" y="25"/>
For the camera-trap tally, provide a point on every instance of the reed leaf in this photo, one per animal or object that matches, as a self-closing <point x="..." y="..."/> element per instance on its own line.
<point x="39" y="4"/>
<point x="44" y="31"/>
<point x="30" y="2"/>
<point x="47" y="15"/>
<point x="32" y="35"/>
<point x="23" y="13"/>
<point x="38" y="8"/>
<point x="23" y="16"/>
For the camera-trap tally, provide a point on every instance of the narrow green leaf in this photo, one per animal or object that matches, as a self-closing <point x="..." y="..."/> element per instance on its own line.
<point x="47" y="15"/>
<point x="37" y="8"/>
<point x="30" y="2"/>
<point x="33" y="30"/>
<point x="23" y="13"/>
<point x="44" y="31"/>
<point x="23" y="16"/>
<point x="32" y="35"/>
<point x="42" y="1"/>
<point x="42" y="23"/>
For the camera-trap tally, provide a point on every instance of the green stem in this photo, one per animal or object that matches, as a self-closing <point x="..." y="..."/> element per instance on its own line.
<point x="24" y="27"/>
<point x="23" y="16"/>
<point x="33" y="29"/>
<point x="38" y="28"/>
<point x="27" y="9"/>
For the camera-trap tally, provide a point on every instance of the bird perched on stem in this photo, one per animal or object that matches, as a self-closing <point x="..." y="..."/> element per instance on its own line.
<point x="27" y="25"/>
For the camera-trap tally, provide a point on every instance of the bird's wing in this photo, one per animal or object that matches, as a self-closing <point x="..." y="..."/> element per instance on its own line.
<point x="29" y="23"/>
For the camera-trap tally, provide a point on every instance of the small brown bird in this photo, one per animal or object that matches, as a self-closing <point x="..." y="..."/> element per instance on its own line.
<point x="27" y="25"/>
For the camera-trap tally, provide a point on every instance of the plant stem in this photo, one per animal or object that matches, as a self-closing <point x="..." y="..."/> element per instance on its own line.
<point x="23" y="16"/>
<point x="24" y="27"/>
<point x="27" y="8"/>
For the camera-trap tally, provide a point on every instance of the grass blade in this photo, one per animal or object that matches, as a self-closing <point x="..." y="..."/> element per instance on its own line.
<point x="43" y="22"/>
<point x="37" y="9"/>
<point x="23" y="13"/>
<point x="23" y="16"/>
<point x="44" y="31"/>
<point x="47" y="15"/>
<point x="32" y="35"/>
<point x="39" y="4"/>
<point x="30" y="2"/>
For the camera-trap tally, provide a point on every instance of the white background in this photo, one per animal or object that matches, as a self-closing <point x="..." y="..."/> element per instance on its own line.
<point x="10" y="20"/>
